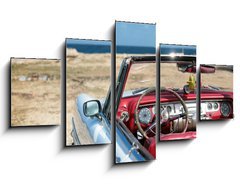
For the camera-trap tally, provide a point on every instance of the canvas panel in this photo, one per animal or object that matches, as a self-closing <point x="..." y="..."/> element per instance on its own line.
<point x="88" y="66"/>
<point x="135" y="97"/>
<point x="178" y="92"/>
<point x="35" y="92"/>
<point x="216" y="92"/>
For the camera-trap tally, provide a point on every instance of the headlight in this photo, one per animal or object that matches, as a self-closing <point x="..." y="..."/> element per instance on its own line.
<point x="145" y="115"/>
<point x="225" y="109"/>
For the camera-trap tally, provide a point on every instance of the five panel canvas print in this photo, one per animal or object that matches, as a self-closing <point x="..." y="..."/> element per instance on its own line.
<point x="91" y="97"/>
<point x="135" y="122"/>
<point x="35" y="92"/>
<point x="88" y="67"/>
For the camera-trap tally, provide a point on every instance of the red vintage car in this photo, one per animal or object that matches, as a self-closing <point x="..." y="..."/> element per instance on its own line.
<point x="179" y="105"/>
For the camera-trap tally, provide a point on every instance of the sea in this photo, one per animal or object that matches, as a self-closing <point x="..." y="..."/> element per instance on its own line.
<point x="135" y="50"/>
<point x="165" y="49"/>
<point x="90" y="49"/>
<point x="107" y="49"/>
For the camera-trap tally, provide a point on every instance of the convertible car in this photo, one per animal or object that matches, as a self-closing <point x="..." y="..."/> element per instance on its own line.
<point x="135" y="109"/>
<point x="135" y="112"/>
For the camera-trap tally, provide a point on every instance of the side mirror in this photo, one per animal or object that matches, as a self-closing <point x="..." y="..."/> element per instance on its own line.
<point x="92" y="108"/>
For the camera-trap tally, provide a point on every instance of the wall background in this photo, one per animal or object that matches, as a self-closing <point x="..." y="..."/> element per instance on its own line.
<point x="35" y="156"/>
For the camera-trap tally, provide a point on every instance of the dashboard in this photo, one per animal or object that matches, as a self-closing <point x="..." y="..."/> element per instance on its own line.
<point x="216" y="109"/>
<point x="171" y="109"/>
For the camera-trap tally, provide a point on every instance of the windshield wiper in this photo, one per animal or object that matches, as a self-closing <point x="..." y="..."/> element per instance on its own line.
<point x="213" y="87"/>
<point x="164" y="88"/>
<point x="139" y="90"/>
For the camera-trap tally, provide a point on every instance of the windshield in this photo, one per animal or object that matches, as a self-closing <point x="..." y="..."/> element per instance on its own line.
<point x="140" y="77"/>
<point x="221" y="79"/>
<point x="171" y="77"/>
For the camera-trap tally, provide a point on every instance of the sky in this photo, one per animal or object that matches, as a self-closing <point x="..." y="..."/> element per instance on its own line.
<point x="173" y="48"/>
<point x="135" y="34"/>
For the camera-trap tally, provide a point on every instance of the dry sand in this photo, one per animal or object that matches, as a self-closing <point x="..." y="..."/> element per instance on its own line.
<point x="171" y="77"/>
<point x="140" y="75"/>
<point x="35" y="102"/>
<point x="222" y="78"/>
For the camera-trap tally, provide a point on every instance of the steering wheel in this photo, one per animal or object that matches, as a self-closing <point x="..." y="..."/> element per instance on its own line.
<point x="136" y="112"/>
<point x="184" y="107"/>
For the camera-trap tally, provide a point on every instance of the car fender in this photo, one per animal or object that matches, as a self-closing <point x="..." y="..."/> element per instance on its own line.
<point x="98" y="127"/>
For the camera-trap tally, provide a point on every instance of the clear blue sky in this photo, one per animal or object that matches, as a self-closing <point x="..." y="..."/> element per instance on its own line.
<point x="135" y="34"/>
<point x="174" y="48"/>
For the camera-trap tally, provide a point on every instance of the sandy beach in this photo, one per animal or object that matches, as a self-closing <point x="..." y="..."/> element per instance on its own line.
<point x="35" y="92"/>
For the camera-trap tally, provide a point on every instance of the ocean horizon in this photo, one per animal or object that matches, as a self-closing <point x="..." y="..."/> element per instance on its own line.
<point x="135" y="50"/>
<point x="86" y="48"/>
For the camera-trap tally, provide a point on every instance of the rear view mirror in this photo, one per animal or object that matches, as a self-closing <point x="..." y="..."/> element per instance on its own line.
<point x="207" y="69"/>
<point x="92" y="108"/>
<point x="184" y="67"/>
